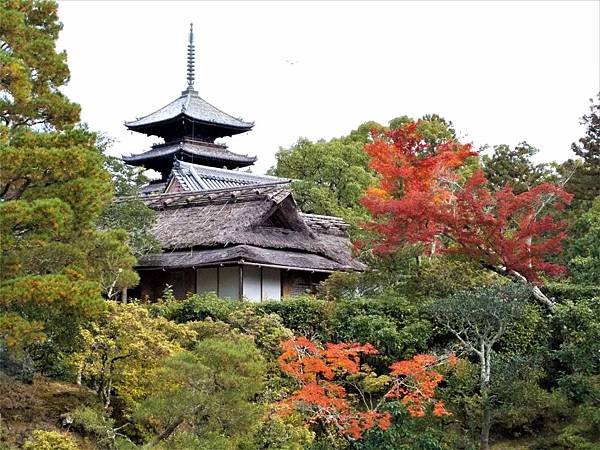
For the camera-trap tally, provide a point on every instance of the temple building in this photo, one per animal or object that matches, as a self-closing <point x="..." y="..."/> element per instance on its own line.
<point x="223" y="229"/>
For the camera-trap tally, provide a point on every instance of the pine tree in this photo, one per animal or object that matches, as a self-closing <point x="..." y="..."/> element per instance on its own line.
<point x="53" y="189"/>
<point x="585" y="182"/>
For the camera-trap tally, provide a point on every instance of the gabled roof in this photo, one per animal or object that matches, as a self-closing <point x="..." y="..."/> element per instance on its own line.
<point x="195" y="177"/>
<point x="261" y="216"/>
<point x="191" y="150"/>
<point x="191" y="106"/>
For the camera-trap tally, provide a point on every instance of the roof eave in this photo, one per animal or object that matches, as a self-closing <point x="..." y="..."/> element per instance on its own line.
<point x="133" y="126"/>
<point x="140" y="159"/>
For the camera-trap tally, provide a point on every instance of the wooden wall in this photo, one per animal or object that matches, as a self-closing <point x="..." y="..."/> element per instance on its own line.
<point x="257" y="283"/>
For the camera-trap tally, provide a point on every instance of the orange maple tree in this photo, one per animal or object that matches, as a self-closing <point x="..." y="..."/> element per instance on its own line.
<point x="323" y="399"/>
<point x="427" y="196"/>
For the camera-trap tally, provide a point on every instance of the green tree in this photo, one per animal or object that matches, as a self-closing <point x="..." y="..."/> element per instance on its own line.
<point x="478" y="318"/>
<point x="576" y="329"/>
<point x="129" y="212"/>
<point x="584" y="249"/>
<point x="31" y="70"/>
<point x="514" y="167"/>
<point x="585" y="182"/>
<point x="331" y="176"/>
<point x="207" y="397"/>
<point x="121" y="352"/>
<point x="53" y="188"/>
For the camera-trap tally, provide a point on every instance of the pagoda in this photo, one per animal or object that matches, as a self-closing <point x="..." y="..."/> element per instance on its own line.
<point x="189" y="126"/>
<point x="222" y="230"/>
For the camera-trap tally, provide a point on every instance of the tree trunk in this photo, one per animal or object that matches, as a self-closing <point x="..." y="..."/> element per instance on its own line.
<point x="485" y="356"/>
<point x="164" y="434"/>
<point x="516" y="276"/>
<point x="486" y="422"/>
<point x="79" y="375"/>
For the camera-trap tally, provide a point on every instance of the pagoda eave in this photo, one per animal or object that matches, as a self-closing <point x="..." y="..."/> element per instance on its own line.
<point x="160" y="157"/>
<point x="186" y="125"/>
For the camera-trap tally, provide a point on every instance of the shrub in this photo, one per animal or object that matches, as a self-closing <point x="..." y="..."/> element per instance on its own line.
<point x="50" y="440"/>
<point x="267" y="330"/>
<point x="198" y="307"/>
<point x="305" y="315"/>
<point x="95" y="423"/>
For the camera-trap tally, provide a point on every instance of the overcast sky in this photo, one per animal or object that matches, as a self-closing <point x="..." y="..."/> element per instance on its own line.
<point x="501" y="72"/>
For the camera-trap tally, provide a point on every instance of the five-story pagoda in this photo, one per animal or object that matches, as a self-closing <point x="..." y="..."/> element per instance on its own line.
<point x="189" y="127"/>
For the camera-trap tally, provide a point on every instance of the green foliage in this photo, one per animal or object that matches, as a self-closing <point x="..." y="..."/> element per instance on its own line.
<point x="483" y="311"/>
<point x="34" y="308"/>
<point x="121" y="352"/>
<point x="207" y="395"/>
<point x="50" y="440"/>
<point x="53" y="186"/>
<point x="305" y="315"/>
<point x="406" y="433"/>
<point x="577" y="325"/>
<point x="96" y="424"/>
<point x="267" y="330"/>
<point x="515" y="168"/>
<point x="444" y="275"/>
<point x="585" y="181"/>
<point x="110" y="262"/>
<point x="31" y="71"/>
<point x="584" y="249"/>
<point x="406" y="273"/>
<point x="569" y="291"/>
<point x="198" y="307"/>
<point x="209" y="316"/>
<point x="331" y="176"/>
<point x="522" y="404"/>
<point x="287" y="433"/>
<point x="129" y="212"/>
<point x="392" y="325"/>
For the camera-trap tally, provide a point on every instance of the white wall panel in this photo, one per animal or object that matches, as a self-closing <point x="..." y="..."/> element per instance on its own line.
<point x="206" y="280"/>
<point x="271" y="283"/>
<point x="252" y="288"/>
<point x="229" y="282"/>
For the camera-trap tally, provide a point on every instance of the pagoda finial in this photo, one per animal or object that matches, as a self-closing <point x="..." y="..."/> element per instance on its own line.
<point x="190" y="59"/>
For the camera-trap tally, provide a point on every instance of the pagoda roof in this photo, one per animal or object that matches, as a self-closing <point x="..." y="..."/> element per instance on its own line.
<point x="195" y="177"/>
<point x="194" y="108"/>
<point x="192" y="151"/>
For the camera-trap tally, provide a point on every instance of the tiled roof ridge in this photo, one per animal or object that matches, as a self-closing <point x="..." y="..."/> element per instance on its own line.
<point x="218" y="173"/>
<point x="273" y="191"/>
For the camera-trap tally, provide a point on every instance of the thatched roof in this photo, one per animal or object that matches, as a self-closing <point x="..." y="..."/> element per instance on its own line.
<point x="255" y="217"/>
<point x="243" y="254"/>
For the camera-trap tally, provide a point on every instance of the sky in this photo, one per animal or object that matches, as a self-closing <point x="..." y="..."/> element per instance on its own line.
<point x="502" y="72"/>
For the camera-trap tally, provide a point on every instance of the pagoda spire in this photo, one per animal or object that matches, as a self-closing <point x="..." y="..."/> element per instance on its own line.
<point x="190" y="60"/>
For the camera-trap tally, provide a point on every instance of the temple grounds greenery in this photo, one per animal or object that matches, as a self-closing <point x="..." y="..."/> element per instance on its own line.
<point x="469" y="347"/>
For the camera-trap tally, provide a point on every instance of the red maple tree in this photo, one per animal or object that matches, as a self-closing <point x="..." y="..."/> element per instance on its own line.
<point x="322" y="399"/>
<point x="427" y="196"/>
